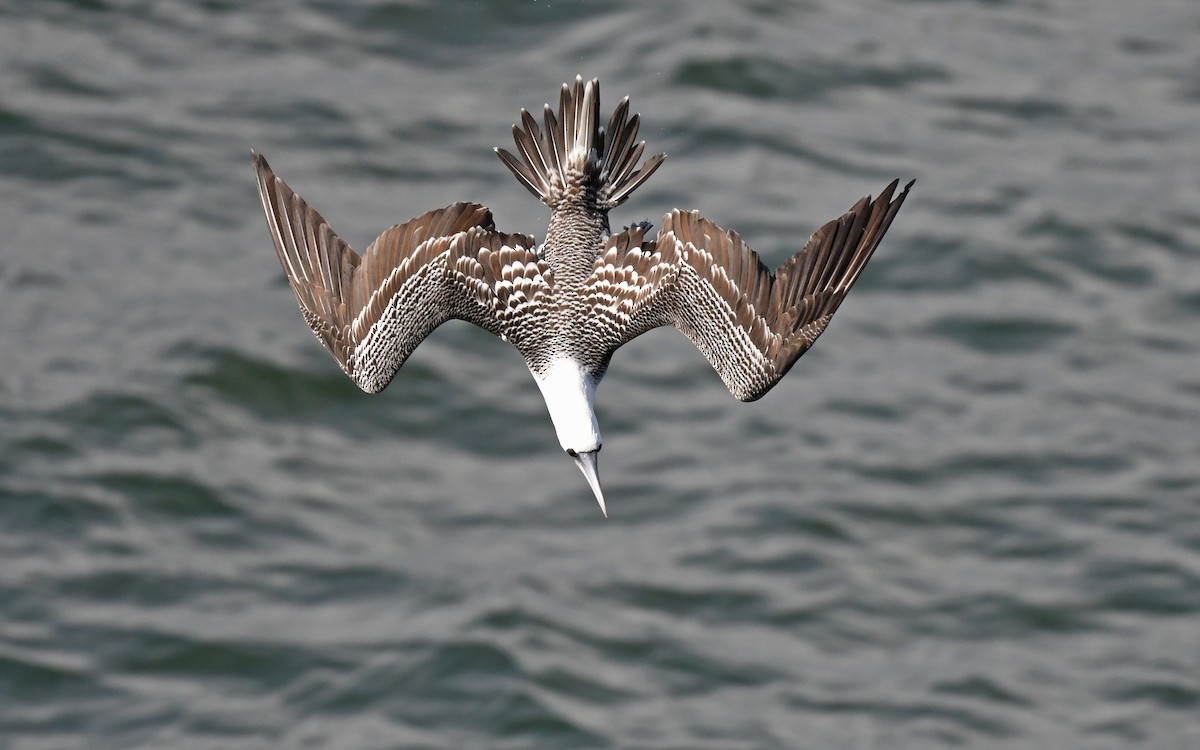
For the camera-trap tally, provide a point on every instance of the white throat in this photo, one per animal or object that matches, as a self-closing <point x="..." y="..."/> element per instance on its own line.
<point x="568" y="390"/>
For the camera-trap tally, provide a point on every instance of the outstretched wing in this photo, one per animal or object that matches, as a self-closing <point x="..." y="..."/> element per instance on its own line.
<point x="372" y="311"/>
<point x="508" y="289"/>
<point x="753" y="325"/>
<point x="623" y="296"/>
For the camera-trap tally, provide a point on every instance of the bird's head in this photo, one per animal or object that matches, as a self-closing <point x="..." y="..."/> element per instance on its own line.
<point x="568" y="389"/>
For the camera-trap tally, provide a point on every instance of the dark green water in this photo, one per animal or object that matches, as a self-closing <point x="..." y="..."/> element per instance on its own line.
<point x="970" y="517"/>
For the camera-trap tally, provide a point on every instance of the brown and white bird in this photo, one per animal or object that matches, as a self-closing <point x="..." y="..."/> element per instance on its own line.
<point x="569" y="303"/>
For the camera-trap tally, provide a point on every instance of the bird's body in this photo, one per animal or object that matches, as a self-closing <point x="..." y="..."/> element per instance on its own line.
<point x="569" y="304"/>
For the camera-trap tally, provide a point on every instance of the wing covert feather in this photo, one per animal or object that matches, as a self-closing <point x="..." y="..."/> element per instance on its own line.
<point x="372" y="311"/>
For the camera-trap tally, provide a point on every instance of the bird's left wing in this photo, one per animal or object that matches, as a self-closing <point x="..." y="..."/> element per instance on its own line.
<point x="623" y="297"/>
<point x="752" y="325"/>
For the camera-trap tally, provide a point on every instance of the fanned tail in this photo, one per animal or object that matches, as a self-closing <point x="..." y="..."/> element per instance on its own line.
<point x="576" y="158"/>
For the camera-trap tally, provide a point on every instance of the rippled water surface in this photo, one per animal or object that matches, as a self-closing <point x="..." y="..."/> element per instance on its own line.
<point x="970" y="517"/>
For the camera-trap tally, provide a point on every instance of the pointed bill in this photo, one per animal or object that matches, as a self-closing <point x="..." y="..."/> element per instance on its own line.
<point x="587" y="464"/>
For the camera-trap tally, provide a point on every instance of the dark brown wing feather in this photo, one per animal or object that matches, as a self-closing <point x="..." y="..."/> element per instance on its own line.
<point x="753" y="325"/>
<point x="372" y="312"/>
<point x="622" y="299"/>
<point x="509" y="288"/>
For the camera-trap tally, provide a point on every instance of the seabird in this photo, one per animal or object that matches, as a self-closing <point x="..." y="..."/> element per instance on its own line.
<point x="569" y="303"/>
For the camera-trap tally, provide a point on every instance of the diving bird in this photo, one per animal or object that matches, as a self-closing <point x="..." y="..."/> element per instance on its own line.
<point x="570" y="302"/>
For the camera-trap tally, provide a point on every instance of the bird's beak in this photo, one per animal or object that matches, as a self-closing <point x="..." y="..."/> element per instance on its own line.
<point x="586" y="462"/>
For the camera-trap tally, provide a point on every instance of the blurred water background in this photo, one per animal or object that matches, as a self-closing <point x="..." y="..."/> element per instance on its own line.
<point x="970" y="517"/>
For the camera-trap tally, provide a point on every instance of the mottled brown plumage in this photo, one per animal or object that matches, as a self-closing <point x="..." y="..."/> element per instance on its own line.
<point x="570" y="303"/>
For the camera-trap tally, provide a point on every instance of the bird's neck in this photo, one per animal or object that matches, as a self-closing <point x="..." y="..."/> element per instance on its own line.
<point x="569" y="388"/>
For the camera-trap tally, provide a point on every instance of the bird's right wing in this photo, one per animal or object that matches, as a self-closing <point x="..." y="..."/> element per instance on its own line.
<point x="753" y="325"/>
<point x="372" y="311"/>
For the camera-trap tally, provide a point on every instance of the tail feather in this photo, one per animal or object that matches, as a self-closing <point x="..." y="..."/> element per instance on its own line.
<point x="576" y="157"/>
